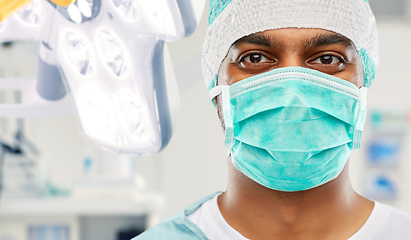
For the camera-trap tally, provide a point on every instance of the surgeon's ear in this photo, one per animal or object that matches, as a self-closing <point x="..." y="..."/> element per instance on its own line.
<point x="221" y="80"/>
<point x="217" y="106"/>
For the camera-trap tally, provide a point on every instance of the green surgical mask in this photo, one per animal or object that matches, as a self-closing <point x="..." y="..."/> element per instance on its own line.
<point x="292" y="129"/>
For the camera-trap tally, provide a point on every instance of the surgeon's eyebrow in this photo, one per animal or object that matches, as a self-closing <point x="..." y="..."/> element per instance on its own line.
<point x="327" y="39"/>
<point x="258" y="39"/>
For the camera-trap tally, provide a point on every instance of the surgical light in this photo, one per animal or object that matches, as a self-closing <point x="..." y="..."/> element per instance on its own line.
<point x="95" y="111"/>
<point x="113" y="52"/>
<point x="31" y="14"/>
<point x="133" y="115"/>
<point x="78" y="51"/>
<point x="25" y="24"/>
<point x="122" y="95"/>
<point x="113" y="59"/>
<point x="74" y="13"/>
<point x="85" y="7"/>
<point x="128" y="9"/>
<point x="81" y="11"/>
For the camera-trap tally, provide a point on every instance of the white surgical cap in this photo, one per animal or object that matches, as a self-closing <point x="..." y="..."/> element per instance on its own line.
<point x="230" y="20"/>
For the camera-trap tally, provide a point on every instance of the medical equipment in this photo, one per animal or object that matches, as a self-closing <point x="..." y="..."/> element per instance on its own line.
<point x="112" y="60"/>
<point x="25" y="24"/>
<point x="114" y="68"/>
<point x="283" y="134"/>
<point x="18" y="170"/>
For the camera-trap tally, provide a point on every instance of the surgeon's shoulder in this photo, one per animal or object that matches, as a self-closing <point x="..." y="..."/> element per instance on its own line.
<point x="176" y="227"/>
<point x="400" y="218"/>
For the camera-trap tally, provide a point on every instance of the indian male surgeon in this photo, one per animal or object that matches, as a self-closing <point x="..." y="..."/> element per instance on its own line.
<point x="289" y="79"/>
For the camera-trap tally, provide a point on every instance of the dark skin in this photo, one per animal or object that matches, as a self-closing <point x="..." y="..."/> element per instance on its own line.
<point x="331" y="211"/>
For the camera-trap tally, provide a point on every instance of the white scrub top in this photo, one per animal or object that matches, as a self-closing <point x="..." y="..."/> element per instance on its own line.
<point x="384" y="223"/>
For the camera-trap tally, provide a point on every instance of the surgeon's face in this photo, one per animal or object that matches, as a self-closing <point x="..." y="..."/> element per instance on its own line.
<point x="317" y="49"/>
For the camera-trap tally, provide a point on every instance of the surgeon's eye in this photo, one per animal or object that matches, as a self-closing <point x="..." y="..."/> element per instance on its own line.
<point x="328" y="60"/>
<point x="255" y="58"/>
<point x="255" y="62"/>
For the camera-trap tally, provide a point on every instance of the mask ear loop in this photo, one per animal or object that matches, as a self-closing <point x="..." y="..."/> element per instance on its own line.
<point x="224" y="90"/>
<point x="359" y="126"/>
<point x="228" y="120"/>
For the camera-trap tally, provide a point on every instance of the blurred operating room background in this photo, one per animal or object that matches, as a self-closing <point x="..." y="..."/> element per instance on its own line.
<point x="65" y="184"/>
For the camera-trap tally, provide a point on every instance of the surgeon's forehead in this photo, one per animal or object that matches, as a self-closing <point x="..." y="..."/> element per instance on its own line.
<point x="310" y="38"/>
